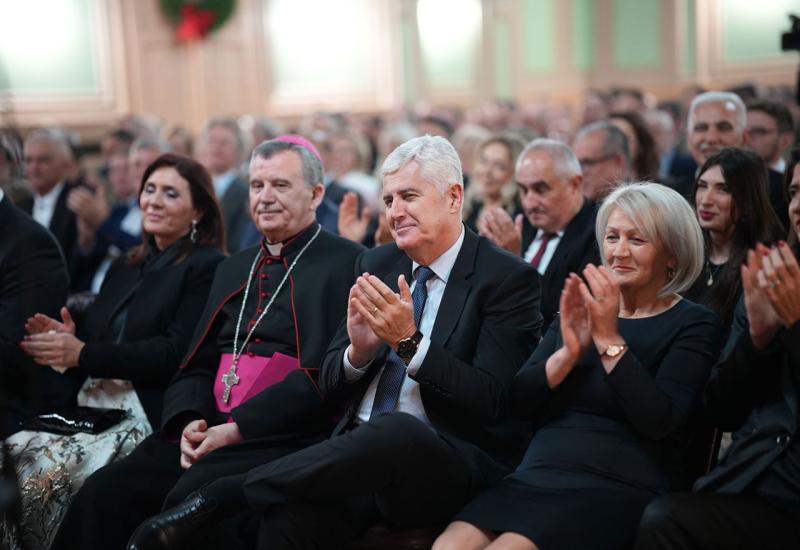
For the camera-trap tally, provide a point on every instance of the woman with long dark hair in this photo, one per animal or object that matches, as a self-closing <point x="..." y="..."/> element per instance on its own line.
<point x="752" y="498"/>
<point x="730" y="197"/>
<point x="130" y="342"/>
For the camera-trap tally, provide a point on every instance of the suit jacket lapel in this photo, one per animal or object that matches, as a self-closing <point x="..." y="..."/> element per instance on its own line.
<point x="567" y="239"/>
<point x="457" y="290"/>
<point x="59" y="221"/>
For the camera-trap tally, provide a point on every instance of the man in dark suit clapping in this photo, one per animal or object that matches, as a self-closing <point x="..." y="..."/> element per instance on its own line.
<point x="425" y="367"/>
<point x="559" y="236"/>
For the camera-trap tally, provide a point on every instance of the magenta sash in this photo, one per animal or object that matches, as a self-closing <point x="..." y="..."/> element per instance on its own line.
<point x="255" y="375"/>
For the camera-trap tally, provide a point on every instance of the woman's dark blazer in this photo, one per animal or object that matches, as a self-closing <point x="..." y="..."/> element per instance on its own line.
<point x="160" y="321"/>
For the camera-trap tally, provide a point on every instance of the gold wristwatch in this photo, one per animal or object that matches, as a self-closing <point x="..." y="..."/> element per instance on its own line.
<point x="613" y="350"/>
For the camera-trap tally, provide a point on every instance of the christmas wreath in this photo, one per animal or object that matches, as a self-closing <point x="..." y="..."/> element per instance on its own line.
<point x="196" y="18"/>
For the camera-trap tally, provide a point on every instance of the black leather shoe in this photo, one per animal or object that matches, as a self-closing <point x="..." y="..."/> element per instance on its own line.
<point x="171" y="528"/>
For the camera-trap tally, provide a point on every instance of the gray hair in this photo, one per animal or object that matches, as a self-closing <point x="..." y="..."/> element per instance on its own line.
<point x="313" y="173"/>
<point x="665" y="217"/>
<point x="231" y="124"/>
<point x="438" y="161"/>
<point x="720" y="97"/>
<point x="55" y="137"/>
<point x="145" y="143"/>
<point x="615" y="142"/>
<point x="564" y="159"/>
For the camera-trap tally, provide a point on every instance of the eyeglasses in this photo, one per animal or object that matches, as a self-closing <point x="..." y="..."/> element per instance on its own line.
<point x="588" y="162"/>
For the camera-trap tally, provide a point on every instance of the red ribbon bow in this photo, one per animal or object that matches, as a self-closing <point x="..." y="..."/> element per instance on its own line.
<point x="195" y="23"/>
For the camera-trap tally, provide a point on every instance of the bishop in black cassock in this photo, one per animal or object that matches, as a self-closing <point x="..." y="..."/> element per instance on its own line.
<point x="289" y="414"/>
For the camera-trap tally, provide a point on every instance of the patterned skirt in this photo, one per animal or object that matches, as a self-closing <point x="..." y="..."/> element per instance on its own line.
<point x="51" y="468"/>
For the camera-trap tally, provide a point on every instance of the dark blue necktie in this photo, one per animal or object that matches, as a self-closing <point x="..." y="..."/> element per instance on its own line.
<point x="394" y="372"/>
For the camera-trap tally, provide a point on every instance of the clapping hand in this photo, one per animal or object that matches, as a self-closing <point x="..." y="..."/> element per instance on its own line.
<point x="782" y="277"/>
<point x="506" y="233"/>
<point x="383" y="234"/>
<point x="576" y="336"/>
<point x="602" y="299"/>
<point x="90" y="205"/>
<point x="574" y="319"/>
<point x="771" y="282"/>
<point x="390" y="315"/>
<point x="364" y="343"/>
<point x="41" y="323"/>
<point x="60" y="350"/>
<point x="352" y="225"/>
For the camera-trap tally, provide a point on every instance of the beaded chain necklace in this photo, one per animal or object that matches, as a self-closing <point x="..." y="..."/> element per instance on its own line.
<point x="230" y="378"/>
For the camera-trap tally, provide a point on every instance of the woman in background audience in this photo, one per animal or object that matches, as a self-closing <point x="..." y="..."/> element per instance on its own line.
<point x="131" y="341"/>
<point x="493" y="180"/>
<point x="641" y="145"/>
<point x="734" y="212"/>
<point x="609" y="389"/>
<point x="752" y="498"/>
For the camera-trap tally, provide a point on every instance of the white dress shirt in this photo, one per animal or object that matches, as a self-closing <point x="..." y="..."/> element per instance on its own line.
<point x="533" y="248"/>
<point x="45" y="205"/>
<point x="223" y="182"/>
<point x="410" y="400"/>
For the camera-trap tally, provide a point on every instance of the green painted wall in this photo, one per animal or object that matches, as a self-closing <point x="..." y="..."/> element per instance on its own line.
<point x="503" y="59"/>
<point x="752" y="29"/>
<point x="636" y="32"/>
<point x="583" y="22"/>
<point x="539" y="38"/>
<point x="409" y="78"/>
<point x="690" y="60"/>
<point x="30" y="64"/>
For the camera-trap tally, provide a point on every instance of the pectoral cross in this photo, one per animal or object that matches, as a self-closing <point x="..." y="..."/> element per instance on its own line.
<point x="230" y="380"/>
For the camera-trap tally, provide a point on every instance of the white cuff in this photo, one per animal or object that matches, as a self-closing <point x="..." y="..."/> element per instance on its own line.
<point x="351" y="373"/>
<point x="419" y="357"/>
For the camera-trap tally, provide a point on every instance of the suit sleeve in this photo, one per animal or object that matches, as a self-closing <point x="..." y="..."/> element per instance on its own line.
<point x="744" y="376"/>
<point x="510" y="326"/>
<point x="154" y="361"/>
<point x="530" y="392"/>
<point x="33" y="279"/>
<point x="332" y="380"/>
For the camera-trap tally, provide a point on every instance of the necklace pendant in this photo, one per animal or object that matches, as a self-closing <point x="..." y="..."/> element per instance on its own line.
<point x="230" y="379"/>
<point x="710" y="280"/>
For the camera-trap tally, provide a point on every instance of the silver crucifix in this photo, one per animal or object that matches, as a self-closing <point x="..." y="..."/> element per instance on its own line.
<point x="230" y="380"/>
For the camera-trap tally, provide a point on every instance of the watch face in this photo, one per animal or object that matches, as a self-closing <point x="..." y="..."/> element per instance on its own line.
<point x="407" y="347"/>
<point x="613" y="351"/>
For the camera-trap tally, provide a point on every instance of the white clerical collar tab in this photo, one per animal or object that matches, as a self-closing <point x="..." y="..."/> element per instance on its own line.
<point x="274" y="249"/>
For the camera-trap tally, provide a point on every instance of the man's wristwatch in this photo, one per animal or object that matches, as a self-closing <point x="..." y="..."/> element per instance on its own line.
<point x="613" y="350"/>
<point x="407" y="347"/>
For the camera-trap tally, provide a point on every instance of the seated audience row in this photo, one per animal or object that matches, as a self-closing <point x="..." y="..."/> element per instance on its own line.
<point x="437" y="358"/>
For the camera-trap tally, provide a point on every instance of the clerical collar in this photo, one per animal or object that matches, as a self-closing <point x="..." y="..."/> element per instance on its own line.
<point x="288" y="246"/>
<point x="273" y="249"/>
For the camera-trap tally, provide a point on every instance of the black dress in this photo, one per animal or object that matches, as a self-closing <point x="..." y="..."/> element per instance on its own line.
<point x="605" y="444"/>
